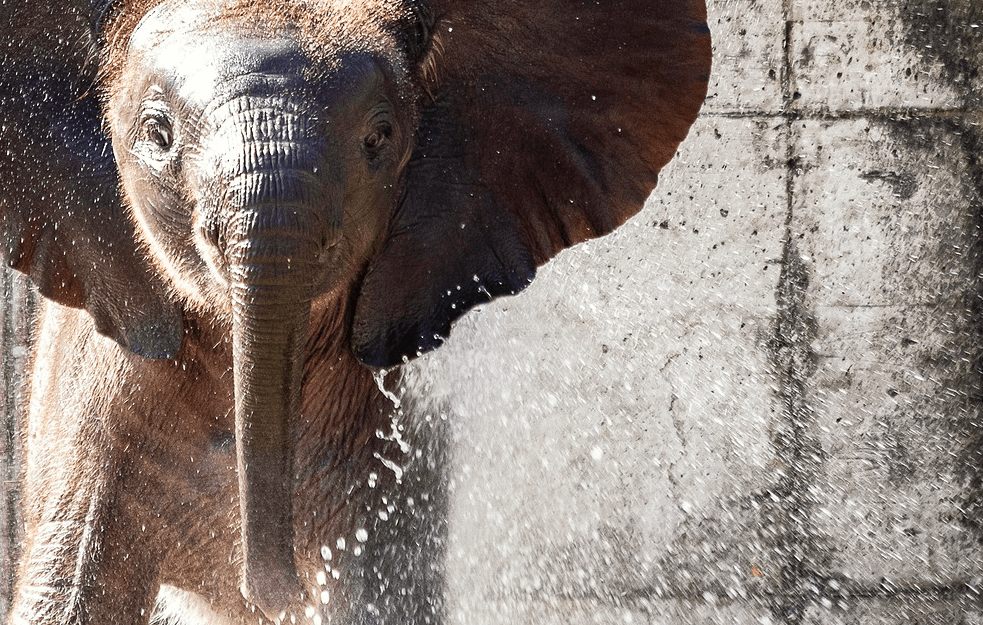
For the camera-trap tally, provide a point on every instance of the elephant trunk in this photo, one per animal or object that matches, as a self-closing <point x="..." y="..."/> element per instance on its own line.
<point x="269" y="333"/>
<point x="268" y="217"/>
<point x="274" y="237"/>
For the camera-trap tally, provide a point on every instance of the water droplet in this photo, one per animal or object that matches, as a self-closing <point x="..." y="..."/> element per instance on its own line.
<point x="395" y="468"/>
<point x="380" y="381"/>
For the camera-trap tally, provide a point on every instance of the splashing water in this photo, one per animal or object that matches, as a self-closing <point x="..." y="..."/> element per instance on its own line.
<point x="380" y="381"/>
<point x="392" y="466"/>
<point x="395" y="435"/>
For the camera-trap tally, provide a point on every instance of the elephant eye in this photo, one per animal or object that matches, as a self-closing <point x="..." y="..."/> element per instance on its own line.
<point x="159" y="132"/>
<point x="375" y="140"/>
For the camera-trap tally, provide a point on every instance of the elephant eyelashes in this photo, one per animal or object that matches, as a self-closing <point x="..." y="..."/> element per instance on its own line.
<point x="158" y="131"/>
<point x="380" y="129"/>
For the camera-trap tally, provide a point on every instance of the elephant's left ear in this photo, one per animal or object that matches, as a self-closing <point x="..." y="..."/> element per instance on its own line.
<point x="62" y="221"/>
<point x="549" y="124"/>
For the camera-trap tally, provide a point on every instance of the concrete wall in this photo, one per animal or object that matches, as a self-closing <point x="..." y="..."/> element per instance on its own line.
<point x="17" y="305"/>
<point x="759" y="401"/>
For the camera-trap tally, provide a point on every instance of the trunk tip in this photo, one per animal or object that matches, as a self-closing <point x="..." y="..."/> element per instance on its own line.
<point x="275" y="592"/>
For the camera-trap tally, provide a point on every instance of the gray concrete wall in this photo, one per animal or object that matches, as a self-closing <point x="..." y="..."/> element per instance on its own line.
<point x="758" y="402"/>
<point x="17" y="304"/>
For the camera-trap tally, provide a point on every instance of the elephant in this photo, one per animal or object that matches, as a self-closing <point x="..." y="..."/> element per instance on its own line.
<point x="244" y="217"/>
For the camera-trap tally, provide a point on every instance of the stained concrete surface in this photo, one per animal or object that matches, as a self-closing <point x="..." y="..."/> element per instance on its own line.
<point x="17" y="306"/>
<point x="758" y="402"/>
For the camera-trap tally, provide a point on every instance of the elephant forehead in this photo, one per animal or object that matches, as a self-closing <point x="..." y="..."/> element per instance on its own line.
<point x="204" y="60"/>
<point x="196" y="56"/>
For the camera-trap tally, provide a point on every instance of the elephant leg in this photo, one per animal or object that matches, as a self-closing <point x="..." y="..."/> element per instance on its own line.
<point x="85" y="562"/>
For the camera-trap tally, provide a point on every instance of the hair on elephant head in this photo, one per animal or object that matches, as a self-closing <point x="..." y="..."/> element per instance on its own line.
<point x="399" y="160"/>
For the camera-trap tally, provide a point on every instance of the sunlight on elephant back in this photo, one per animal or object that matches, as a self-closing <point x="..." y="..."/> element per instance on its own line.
<point x="18" y="303"/>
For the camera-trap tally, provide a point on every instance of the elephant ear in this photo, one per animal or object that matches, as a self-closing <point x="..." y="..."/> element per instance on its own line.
<point x="62" y="220"/>
<point x="549" y="123"/>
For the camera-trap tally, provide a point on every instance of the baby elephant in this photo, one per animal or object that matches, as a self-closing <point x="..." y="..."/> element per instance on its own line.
<point x="238" y="211"/>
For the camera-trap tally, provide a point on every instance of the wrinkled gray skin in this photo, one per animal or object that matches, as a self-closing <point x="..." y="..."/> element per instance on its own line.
<point x="262" y="153"/>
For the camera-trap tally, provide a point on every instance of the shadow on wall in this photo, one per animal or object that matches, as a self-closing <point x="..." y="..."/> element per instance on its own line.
<point x="949" y="35"/>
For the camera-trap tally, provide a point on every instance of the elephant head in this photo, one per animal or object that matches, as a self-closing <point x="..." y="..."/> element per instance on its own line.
<point x="412" y="158"/>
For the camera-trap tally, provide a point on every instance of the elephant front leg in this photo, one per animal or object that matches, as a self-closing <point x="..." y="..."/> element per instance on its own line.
<point x="85" y="561"/>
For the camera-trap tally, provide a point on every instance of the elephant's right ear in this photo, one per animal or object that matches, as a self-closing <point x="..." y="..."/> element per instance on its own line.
<point x="549" y="123"/>
<point x="62" y="220"/>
